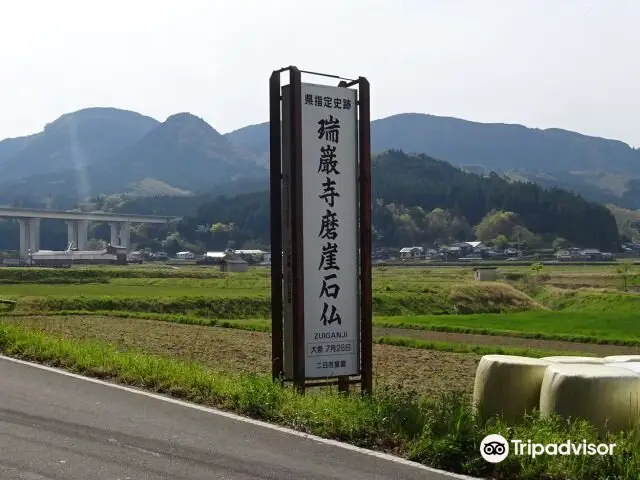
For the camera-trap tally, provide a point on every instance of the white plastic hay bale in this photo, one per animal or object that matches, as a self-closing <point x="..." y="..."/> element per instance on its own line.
<point x="508" y="385"/>
<point x="631" y="366"/>
<point x="603" y="395"/>
<point x="575" y="359"/>
<point x="622" y="358"/>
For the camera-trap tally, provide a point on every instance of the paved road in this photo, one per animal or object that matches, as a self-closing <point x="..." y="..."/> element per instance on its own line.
<point x="57" y="427"/>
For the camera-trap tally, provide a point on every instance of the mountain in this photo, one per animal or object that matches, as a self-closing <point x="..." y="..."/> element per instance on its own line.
<point x="150" y="187"/>
<point x="110" y="151"/>
<point x="182" y="155"/>
<point x="503" y="146"/>
<point x="10" y="147"/>
<point x="184" y="152"/>
<point x="255" y="138"/>
<point x="628" y="222"/>
<point x="598" y="168"/>
<point x="73" y="141"/>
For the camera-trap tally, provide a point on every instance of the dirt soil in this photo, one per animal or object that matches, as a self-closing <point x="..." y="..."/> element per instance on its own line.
<point x="232" y="350"/>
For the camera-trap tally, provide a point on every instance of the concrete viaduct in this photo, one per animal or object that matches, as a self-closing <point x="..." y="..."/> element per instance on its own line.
<point x="77" y="226"/>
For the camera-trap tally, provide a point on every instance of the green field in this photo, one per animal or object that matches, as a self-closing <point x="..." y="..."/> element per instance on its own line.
<point x="567" y="325"/>
<point x="431" y="326"/>
<point x="428" y="309"/>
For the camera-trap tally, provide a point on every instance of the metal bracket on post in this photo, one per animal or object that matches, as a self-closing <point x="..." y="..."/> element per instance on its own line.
<point x="366" y="295"/>
<point x="293" y="113"/>
<point x="297" y="250"/>
<point x="275" y="193"/>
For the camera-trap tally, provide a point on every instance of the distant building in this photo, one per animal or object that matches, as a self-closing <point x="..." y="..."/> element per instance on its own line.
<point x="234" y="265"/>
<point x="252" y="256"/>
<point x="116" y="250"/>
<point x="591" y="254"/>
<point x="249" y="252"/>
<point x="411" y="252"/>
<point x="185" y="255"/>
<point x="215" y="255"/>
<point x="70" y="257"/>
<point x="486" y="274"/>
<point x="211" y="258"/>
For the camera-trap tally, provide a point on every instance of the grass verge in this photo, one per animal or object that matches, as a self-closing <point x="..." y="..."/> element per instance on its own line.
<point x="440" y="432"/>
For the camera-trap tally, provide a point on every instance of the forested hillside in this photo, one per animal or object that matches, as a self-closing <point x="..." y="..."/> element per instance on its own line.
<point x="421" y="200"/>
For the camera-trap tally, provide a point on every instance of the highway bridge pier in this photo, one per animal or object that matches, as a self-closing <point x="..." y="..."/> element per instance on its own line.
<point x="77" y="226"/>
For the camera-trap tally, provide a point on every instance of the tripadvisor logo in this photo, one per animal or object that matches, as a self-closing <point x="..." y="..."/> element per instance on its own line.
<point x="495" y="448"/>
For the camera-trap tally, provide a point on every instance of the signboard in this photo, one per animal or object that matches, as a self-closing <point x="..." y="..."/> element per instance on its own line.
<point x="329" y="220"/>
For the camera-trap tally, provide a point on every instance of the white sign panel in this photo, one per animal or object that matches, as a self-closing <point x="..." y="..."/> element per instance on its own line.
<point x="330" y="232"/>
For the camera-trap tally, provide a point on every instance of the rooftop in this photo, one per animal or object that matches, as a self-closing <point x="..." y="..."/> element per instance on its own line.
<point x="234" y="260"/>
<point x="215" y="254"/>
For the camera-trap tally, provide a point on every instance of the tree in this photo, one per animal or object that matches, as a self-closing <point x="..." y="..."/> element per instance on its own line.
<point x="501" y="241"/>
<point x="407" y="230"/>
<point x="560" y="244"/>
<point x="174" y="243"/>
<point x="96" y="244"/>
<point x="535" y="276"/>
<point x="495" y="223"/>
<point x="443" y="226"/>
<point x="253" y="244"/>
<point x="624" y="270"/>
<point x="222" y="235"/>
<point x="523" y="236"/>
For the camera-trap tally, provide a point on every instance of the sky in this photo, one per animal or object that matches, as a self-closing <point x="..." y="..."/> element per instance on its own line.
<point x="569" y="64"/>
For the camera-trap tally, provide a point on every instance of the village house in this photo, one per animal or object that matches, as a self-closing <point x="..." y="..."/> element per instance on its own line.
<point x="411" y="252"/>
<point x="563" y="255"/>
<point x="212" y="258"/>
<point x="251" y="255"/>
<point x="591" y="253"/>
<point x="233" y="265"/>
<point x="486" y="274"/>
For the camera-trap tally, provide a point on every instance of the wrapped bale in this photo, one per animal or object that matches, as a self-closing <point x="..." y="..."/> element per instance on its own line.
<point x="574" y="359"/>
<point x="608" y="397"/>
<point x="508" y="385"/>
<point x="622" y="358"/>
<point x="631" y="366"/>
